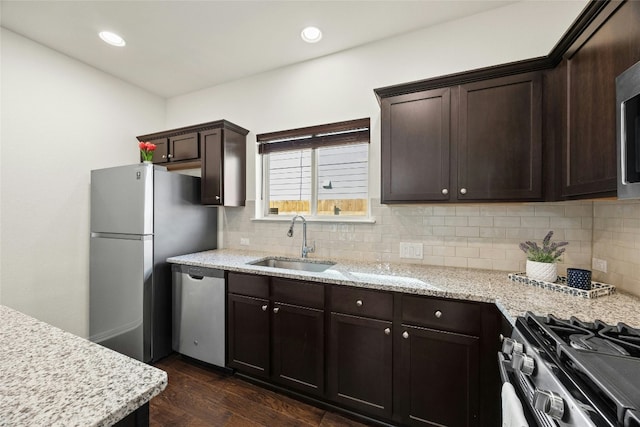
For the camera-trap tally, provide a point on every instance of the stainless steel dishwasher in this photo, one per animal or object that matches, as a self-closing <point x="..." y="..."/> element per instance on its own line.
<point x="199" y="319"/>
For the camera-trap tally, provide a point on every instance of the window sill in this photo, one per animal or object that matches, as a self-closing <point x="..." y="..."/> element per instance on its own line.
<point x="338" y="219"/>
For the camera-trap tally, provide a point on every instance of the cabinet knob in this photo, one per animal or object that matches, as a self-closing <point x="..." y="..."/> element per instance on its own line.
<point x="264" y="307"/>
<point x="359" y="303"/>
<point x="276" y="310"/>
<point x="445" y="191"/>
<point x="463" y="191"/>
<point x="164" y="156"/>
<point x="195" y="342"/>
<point x="387" y="331"/>
<point x="405" y="335"/>
<point x="438" y="314"/>
<point x="170" y="156"/>
<point x="217" y="197"/>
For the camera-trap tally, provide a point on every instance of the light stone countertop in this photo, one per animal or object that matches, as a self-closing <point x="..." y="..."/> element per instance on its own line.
<point x="49" y="377"/>
<point x="513" y="299"/>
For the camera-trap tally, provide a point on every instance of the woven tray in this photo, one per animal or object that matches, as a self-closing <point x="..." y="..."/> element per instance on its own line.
<point x="597" y="289"/>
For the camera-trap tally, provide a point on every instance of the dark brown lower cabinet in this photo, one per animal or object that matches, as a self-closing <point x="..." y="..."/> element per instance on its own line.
<point x="248" y="334"/>
<point x="360" y="364"/>
<point x="298" y="347"/>
<point x="398" y="358"/>
<point x="439" y="378"/>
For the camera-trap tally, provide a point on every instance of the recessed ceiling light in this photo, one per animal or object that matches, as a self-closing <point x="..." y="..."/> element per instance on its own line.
<point x="112" y="38"/>
<point x="311" y="34"/>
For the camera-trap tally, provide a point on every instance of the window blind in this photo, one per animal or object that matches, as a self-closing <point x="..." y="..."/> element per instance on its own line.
<point x="341" y="133"/>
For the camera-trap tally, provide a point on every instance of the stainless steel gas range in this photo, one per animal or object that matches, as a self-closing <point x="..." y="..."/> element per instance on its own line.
<point x="572" y="373"/>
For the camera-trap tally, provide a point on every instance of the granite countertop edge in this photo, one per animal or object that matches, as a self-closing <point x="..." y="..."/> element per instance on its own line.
<point x="55" y="378"/>
<point x="487" y="286"/>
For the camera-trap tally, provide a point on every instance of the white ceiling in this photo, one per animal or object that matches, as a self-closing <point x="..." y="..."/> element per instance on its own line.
<point x="176" y="47"/>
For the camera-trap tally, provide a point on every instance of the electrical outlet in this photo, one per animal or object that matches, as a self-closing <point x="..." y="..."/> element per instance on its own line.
<point x="244" y="241"/>
<point x="599" y="264"/>
<point x="411" y="250"/>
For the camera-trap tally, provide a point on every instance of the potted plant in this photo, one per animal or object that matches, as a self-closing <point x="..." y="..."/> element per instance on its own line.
<point x="541" y="260"/>
<point x="146" y="151"/>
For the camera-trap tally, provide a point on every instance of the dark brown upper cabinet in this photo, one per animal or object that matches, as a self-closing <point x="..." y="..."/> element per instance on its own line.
<point x="499" y="150"/>
<point x="217" y="148"/>
<point x="548" y="135"/>
<point x="416" y="146"/>
<point x="475" y="142"/>
<point x="224" y="166"/>
<point x="607" y="47"/>
<point x="175" y="149"/>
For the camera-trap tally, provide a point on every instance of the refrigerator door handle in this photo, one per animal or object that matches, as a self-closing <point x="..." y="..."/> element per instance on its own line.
<point x="122" y="236"/>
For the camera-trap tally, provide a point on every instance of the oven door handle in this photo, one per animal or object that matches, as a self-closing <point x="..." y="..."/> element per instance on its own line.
<point x="505" y="368"/>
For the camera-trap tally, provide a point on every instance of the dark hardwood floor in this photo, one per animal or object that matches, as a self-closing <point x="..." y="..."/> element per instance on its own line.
<point x="199" y="395"/>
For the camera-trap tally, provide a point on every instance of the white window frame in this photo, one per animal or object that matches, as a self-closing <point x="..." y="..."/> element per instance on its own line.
<point x="262" y="202"/>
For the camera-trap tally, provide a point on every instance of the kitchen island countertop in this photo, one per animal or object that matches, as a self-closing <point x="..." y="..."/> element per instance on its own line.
<point x="513" y="299"/>
<point x="49" y="377"/>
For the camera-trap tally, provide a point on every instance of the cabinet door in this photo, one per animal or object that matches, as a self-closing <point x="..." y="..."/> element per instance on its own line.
<point x="161" y="153"/>
<point x="184" y="147"/>
<point x="499" y="155"/>
<point x="248" y="334"/>
<point x="439" y="377"/>
<point x="298" y="347"/>
<point x="212" y="167"/>
<point x="360" y="364"/>
<point x="415" y="146"/>
<point x="607" y="48"/>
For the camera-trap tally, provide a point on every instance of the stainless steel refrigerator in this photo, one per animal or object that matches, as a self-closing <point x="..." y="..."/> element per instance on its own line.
<point x="141" y="215"/>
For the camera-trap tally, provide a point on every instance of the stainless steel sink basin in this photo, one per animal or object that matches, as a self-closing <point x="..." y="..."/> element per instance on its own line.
<point x="294" y="264"/>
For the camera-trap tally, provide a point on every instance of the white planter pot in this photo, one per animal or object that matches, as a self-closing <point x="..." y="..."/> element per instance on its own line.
<point x="545" y="271"/>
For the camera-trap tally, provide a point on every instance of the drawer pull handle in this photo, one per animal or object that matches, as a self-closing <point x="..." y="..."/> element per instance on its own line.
<point x="445" y="191"/>
<point x="264" y="307"/>
<point x="276" y="310"/>
<point x="463" y="191"/>
<point x="405" y="335"/>
<point x="359" y="303"/>
<point x="438" y="314"/>
<point x="387" y="331"/>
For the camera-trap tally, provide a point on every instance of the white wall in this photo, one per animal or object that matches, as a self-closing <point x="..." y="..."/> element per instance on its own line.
<point x="60" y="119"/>
<point x="340" y="86"/>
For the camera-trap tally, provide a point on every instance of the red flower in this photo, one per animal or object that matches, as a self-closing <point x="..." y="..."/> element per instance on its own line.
<point x="146" y="149"/>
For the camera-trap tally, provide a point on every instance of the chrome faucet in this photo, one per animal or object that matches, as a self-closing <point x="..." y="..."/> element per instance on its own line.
<point x="305" y="249"/>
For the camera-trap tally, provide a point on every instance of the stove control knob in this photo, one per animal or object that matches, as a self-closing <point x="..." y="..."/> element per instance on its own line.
<point x="511" y="346"/>
<point x="523" y="363"/>
<point x="549" y="403"/>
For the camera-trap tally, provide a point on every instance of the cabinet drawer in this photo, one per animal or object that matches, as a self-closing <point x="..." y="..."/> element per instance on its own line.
<point x="297" y="292"/>
<point x="247" y="284"/>
<point x="362" y="302"/>
<point x="448" y="315"/>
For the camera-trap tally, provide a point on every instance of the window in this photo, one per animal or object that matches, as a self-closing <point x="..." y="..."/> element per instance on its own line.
<point x="319" y="171"/>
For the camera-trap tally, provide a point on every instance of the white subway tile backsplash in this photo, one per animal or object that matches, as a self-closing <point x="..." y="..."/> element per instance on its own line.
<point x="467" y="252"/>
<point x="467" y="211"/>
<point x="482" y="236"/>
<point x="549" y="210"/>
<point x="456" y="221"/>
<point x="467" y="231"/>
<point x="520" y="210"/>
<point x="481" y="221"/>
<point x="535" y="222"/>
<point x="507" y="221"/>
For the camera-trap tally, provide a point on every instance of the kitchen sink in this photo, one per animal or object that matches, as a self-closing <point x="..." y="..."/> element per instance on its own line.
<point x="294" y="264"/>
